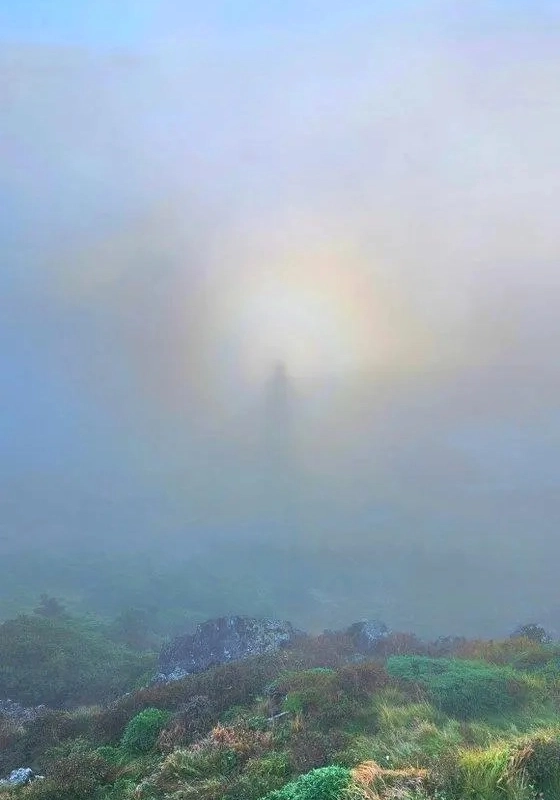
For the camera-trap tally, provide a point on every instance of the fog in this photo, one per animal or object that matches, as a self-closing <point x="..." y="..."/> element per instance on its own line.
<point x="279" y="307"/>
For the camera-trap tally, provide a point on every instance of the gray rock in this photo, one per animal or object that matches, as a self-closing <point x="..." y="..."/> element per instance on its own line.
<point x="220" y="641"/>
<point x="367" y="635"/>
<point x="175" y="675"/>
<point x="19" y="777"/>
<point x="9" y="709"/>
<point x="532" y="631"/>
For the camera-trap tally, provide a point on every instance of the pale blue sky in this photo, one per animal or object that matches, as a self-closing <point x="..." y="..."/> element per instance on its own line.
<point x="134" y="22"/>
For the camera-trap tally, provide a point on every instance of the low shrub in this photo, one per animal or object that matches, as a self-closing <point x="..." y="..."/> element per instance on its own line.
<point x="10" y="732"/>
<point x="463" y="689"/>
<point x="328" y="783"/>
<point x="311" y="692"/>
<point x="81" y="770"/>
<point x="224" y="754"/>
<point x="329" y="699"/>
<point x="360" y="681"/>
<point x="73" y="772"/>
<point x="141" y="733"/>
<point x="46" y="731"/>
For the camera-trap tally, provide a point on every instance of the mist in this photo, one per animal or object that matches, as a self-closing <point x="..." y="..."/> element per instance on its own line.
<point x="279" y="309"/>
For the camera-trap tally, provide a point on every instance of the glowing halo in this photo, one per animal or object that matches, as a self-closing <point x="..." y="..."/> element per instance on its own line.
<point x="319" y="313"/>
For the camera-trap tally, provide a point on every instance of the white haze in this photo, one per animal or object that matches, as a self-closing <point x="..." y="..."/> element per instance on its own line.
<point x="406" y="162"/>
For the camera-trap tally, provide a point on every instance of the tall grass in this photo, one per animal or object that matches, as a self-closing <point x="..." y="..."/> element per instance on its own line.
<point x="495" y="773"/>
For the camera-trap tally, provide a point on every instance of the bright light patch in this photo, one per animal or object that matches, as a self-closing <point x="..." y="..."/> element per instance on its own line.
<point x="306" y="329"/>
<point x="318" y="312"/>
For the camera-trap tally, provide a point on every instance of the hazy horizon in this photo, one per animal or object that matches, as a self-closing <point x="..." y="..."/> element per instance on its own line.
<point x="191" y="197"/>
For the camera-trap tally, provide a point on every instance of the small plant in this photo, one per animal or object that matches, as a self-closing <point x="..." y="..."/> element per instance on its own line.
<point x="293" y="703"/>
<point x="112" y="755"/>
<point x="328" y="783"/>
<point x="142" y="732"/>
<point x="360" y="681"/>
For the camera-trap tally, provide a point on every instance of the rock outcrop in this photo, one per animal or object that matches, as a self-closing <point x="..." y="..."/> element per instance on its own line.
<point x="11" y="710"/>
<point x="20" y="777"/>
<point x="532" y="631"/>
<point x="220" y="641"/>
<point x="367" y="635"/>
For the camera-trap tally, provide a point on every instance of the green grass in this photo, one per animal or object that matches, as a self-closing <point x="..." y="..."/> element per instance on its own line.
<point x="491" y="774"/>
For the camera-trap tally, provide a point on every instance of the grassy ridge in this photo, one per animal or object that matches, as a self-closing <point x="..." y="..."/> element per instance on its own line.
<point x="307" y="725"/>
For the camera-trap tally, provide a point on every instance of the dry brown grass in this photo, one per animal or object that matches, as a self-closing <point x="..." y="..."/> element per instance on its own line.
<point x="241" y="740"/>
<point x="296" y="724"/>
<point x="171" y="737"/>
<point x="376" y="783"/>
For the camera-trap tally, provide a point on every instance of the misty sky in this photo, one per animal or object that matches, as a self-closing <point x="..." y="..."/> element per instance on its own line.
<point x="192" y="193"/>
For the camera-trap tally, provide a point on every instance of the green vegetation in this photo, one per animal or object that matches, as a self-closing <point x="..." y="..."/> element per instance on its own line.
<point x="327" y="783"/>
<point x="463" y="689"/>
<point x="300" y="724"/>
<point x="141" y="733"/>
<point x="61" y="660"/>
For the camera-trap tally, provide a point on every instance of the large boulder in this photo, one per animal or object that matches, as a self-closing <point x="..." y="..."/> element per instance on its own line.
<point x="219" y="641"/>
